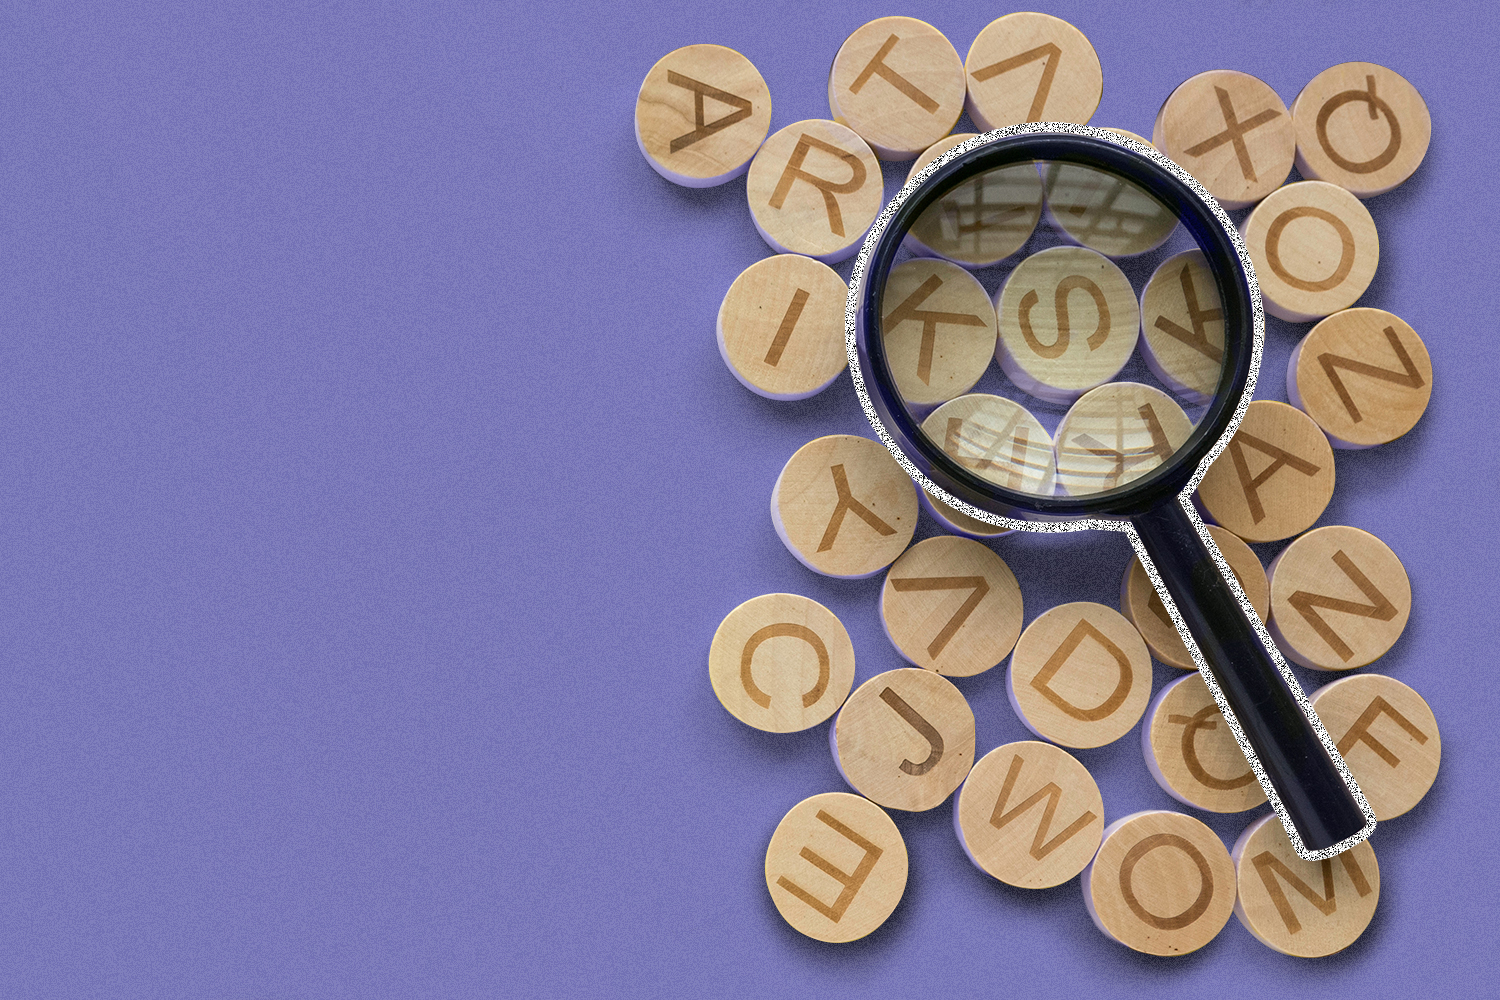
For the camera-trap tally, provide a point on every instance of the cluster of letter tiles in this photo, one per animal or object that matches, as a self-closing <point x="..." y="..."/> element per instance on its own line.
<point x="1336" y="598"/>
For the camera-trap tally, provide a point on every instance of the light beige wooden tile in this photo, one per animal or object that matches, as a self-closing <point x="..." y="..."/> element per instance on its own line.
<point x="1069" y="321"/>
<point x="1315" y="250"/>
<point x="781" y="327"/>
<point x="904" y="739"/>
<point x="1030" y="815"/>
<point x="843" y="507"/>
<point x="1388" y="737"/>
<point x="1182" y="326"/>
<point x="981" y="221"/>
<point x="836" y="867"/>
<point x="814" y="188"/>
<point x="1029" y="67"/>
<point x="1105" y="212"/>
<point x="1232" y="132"/>
<point x="1364" y="375"/>
<point x="1303" y="908"/>
<point x="1192" y="754"/>
<point x="1361" y="126"/>
<point x="1162" y="883"/>
<point x="938" y="328"/>
<point x="898" y="83"/>
<point x="1274" y="479"/>
<point x="781" y="663"/>
<point x="1339" y="598"/>
<point x="1116" y="434"/>
<point x="702" y="112"/>
<point x="998" y="439"/>
<point x="1140" y="603"/>
<point x="1080" y="675"/>
<point x="951" y="605"/>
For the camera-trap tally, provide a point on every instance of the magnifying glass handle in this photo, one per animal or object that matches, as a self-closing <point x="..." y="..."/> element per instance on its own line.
<point x="1315" y="796"/>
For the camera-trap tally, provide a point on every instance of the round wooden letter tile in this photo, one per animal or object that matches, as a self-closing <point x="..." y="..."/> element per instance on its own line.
<point x="1303" y="908"/>
<point x="904" y="739"/>
<point x="1315" y="250"/>
<point x="781" y="327"/>
<point x="836" y="867"/>
<point x="781" y="663"/>
<point x="1231" y="131"/>
<point x="1115" y="434"/>
<point x="1363" y="375"/>
<point x="1274" y="479"/>
<point x="1080" y="675"/>
<point x="898" y="83"/>
<point x="1388" y="736"/>
<point x="1030" y="67"/>
<point x="939" y="329"/>
<point x="1030" y="815"/>
<point x="701" y="114"/>
<point x="1339" y="598"/>
<point x="998" y="439"/>
<point x="1362" y="127"/>
<point x="843" y="506"/>
<point x="1068" y="322"/>
<point x="815" y="188"/>
<point x="1162" y="883"/>
<point x="951" y="605"/>
<point x="1141" y="604"/>
<point x="981" y="221"/>
<point x="1191" y="752"/>
<point x="1182" y="326"/>
<point x="1105" y="212"/>
<point x="952" y="519"/>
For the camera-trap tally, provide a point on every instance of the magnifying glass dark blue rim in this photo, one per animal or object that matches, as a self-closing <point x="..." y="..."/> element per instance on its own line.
<point x="1303" y="774"/>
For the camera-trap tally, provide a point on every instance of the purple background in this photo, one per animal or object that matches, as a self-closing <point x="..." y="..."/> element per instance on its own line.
<point x="372" y="487"/>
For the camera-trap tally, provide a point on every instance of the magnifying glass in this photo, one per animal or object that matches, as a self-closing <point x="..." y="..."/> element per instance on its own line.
<point x="1086" y="422"/>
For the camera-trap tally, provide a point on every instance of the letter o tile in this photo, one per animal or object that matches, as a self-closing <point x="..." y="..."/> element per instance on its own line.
<point x="1029" y="814"/>
<point x="843" y="507"/>
<point x="836" y="867"/>
<point x="815" y="188"/>
<point x="1192" y="754"/>
<point x="1304" y="908"/>
<point x="1162" y="883"/>
<point x="904" y="739"/>
<point x="1388" y="737"/>
<point x="781" y="663"/>
<point x="1080" y="675"/>
<point x="951" y="605"/>
<point x="1361" y="126"/>
<point x="1315" y="250"/>
<point x="702" y="112"/>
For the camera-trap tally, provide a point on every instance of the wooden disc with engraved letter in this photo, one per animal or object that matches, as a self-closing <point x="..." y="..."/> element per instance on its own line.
<point x="1115" y="434"/>
<point x="1232" y="132"/>
<point x="1363" y="374"/>
<point x="1361" y="126"/>
<point x="1069" y="321"/>
<point x="781" y="663"/>
<point x="1105" y="212"/>
<point x="1080" y="675"/>
<point x="982" y="220"/>
<point x="951" y="605"/>
<point x="843" y="507"/>
<point x="1388" y="737"/>
<point x="1182" y="326"/>
<point x="836" y="867"/>
<point x="1162" y="883"/>
<point x="1303" y="908"/>
<point x="814" y="188"/>
<point x="1029" y="814"/>
<point x="781" y="327"/>
<point x="1339" y="598"/>
<point x="997" y="439"/>
<point x="898" y="83"/>
<point x="904" y="739"/>
<point x="1274" y="479"/>
<point x="1191" y="752"/>
<point x="1029" y="67"/>
<point x="1143" y="606"/>
<point x="1315" y="250"/>
<point x="702" y="112"/>
<point x="938" y="328"/>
